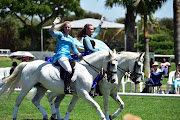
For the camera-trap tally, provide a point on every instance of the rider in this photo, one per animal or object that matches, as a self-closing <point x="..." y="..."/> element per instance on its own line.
<point x="62" y="56"/>
<point x="87" y="34"/>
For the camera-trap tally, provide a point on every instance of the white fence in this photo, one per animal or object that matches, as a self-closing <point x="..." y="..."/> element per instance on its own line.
<point x="4" y="52"/>
<point x="4" y="72"/>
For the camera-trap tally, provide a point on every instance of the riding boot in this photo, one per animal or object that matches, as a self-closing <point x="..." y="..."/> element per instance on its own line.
<point x="67" y="80"/>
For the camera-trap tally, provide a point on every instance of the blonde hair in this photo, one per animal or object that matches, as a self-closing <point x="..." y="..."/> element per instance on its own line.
<point x="61" y="28"/>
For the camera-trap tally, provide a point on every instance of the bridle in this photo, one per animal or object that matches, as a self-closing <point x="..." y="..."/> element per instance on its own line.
<point x="132" y="74"/>
<point x="107" y="72"/>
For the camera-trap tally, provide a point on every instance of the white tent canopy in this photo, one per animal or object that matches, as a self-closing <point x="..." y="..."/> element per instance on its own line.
<point x="94" y="22"/>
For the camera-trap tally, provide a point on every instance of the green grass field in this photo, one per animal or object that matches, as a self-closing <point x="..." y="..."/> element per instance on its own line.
<point x="148" y="108"/>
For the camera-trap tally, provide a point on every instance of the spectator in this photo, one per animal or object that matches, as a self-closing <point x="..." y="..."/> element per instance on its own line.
<point x="176" y="81"/>
<point x="14" y="65"/>
<point x="151" y="62"/>
<point x="165" y="67"/>
<point x="156" y="74"/>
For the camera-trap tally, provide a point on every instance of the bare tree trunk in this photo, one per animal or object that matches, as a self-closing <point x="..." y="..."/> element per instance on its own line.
<point x="176" y="7"/>
<point x="146" y="62"/>
<point x="33" y="38"/>
<point x="129" y="29"/>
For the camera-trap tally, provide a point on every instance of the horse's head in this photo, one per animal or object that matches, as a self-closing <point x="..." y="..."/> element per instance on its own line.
<point x="110" y="68"/>
<point x="131" y="63"/>
<point x="137" y="71"/>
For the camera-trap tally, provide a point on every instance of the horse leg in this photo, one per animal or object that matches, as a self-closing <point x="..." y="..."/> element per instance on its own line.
<point x="85" y="95"/>
<point x="55" y="109"/>
<point x="19" y="100"/>
<point x="50" y="96"/>
<point x="116" y="97"/>
<point x="57" y="103"/>
<point x="71" y="106"/>
<point x="37" y="98"/>
<point x="106" y="104"/>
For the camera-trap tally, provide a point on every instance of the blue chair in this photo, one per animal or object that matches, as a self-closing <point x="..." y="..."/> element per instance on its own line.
<point x="155" y="82"/>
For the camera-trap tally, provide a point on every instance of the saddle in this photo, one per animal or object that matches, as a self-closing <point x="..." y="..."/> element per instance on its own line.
<point x="62" y="70"/>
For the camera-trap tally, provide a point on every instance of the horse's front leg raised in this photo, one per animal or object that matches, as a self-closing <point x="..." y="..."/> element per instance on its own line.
<point x="85" y="95"/>
<point x="71" y="106"/>
<point x="116" y="97"/>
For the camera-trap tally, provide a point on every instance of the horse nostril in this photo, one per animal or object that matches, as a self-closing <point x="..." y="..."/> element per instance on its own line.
<point x="113" y="80"/>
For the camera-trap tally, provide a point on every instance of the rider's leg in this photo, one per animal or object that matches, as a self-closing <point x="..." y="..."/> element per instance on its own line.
<point x="64" y="62"/>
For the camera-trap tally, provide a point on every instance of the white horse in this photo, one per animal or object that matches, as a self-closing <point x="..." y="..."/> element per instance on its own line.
<point x="127" y="61"/>
<point x="46" y="77"/>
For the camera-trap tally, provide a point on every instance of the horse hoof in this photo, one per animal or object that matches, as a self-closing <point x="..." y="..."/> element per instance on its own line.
<point x="110" y="117"/>
<point x="45" y="119"/>
<point x="52" y="118"/>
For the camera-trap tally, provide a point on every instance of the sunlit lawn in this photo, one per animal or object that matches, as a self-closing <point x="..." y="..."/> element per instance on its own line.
<point x="149" y="108"/>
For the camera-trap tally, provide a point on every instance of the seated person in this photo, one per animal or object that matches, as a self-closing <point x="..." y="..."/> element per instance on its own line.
<point x="165" y="67"/>
<point x="176" y="81"/>
<point x="156" y="75"/>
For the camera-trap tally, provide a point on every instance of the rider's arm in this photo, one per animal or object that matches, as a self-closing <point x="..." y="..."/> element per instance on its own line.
<point x="73" y="47"/>
<point x="96" y="32"/>
<point x="88" y="45"/>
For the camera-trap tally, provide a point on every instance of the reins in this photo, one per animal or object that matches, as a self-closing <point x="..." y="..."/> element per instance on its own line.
<point x="98" y="70"/>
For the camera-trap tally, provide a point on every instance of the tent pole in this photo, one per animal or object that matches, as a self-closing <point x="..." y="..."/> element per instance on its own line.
<point x="41" y="39"/>
<point x="137" y="37"/>
<point x="124" y="41"/>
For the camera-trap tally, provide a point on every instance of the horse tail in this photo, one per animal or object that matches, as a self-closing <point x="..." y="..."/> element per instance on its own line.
<point x="12" y="81"/>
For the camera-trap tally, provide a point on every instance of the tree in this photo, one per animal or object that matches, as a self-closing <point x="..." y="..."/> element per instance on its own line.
<point x="176" y="7"/>
<point x="167" y="22"/>
<point x="145" y="8"/>
<point x="154" y="23"/>
<point x="130" y="5"/>
<point x="44" y="10"/>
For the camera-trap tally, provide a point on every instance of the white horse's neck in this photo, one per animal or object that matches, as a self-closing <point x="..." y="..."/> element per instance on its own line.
<point x="96" y="59"/>
<point x="126" y="62"/>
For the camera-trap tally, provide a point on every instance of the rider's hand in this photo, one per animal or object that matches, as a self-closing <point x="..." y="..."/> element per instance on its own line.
<point x="102" y="20"/>
<point x="80" y="56"/>
<point x="57" y="20"/>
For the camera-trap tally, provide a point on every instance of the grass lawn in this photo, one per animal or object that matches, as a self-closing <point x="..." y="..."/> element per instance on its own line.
<point x="148" y="108"/>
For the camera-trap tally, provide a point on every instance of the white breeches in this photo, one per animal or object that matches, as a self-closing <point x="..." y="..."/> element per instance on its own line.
<point x="64" y="62"/>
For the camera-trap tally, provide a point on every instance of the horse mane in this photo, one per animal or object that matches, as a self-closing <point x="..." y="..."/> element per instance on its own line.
<point x="98" y="53"/>
<point x="132" y="55"/>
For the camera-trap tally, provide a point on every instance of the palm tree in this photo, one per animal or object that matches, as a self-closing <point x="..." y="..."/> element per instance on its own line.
<point x="129" y="20"/>
<point x="145" y="8"/>
<point x="142" y="7"/>
<point x="176" y="7"/>
<point x="153" y="23"/>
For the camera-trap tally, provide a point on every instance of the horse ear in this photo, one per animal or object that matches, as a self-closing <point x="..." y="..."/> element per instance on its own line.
<point x="141" y="56"/>
<point x="114" y="51"/>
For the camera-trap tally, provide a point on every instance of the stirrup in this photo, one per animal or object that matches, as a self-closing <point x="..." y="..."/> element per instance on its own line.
<point x="68" y="90"/>
<point x="93" y="94"/>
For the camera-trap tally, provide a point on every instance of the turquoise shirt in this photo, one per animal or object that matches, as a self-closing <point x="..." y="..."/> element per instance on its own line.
<point x="87" y="39"/>
<point x="64" y="43"/>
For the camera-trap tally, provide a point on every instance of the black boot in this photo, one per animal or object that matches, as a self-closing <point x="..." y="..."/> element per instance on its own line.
<point x="67" y="80"/>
